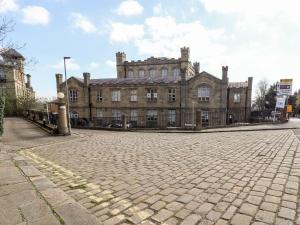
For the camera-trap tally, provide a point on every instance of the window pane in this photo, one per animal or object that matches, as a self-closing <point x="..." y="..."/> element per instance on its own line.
<point x="141" y="73"/>
<point x="164" y="73"/>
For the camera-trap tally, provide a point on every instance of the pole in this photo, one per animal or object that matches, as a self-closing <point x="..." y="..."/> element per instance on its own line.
<point x="193" y="115"/>
<point x="274" y="117"/>
<point x="67" y="96"/>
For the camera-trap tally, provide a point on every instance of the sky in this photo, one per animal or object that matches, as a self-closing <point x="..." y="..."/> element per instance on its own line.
<point x="258" y="38"/>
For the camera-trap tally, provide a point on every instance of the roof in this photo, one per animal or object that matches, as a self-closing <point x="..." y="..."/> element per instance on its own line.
<point x="133" y="81"/>
<point x="11" y="53"/>
<point x="238" y="84"/>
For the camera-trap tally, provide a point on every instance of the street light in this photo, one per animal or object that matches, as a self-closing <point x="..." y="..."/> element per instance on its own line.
<point x="67" y="95"/>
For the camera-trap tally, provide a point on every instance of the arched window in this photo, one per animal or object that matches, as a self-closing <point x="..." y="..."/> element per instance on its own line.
<point x="152" y="73"/>
<point x="204" y="93"/>
<point x="130" y="73"/>
<point x="164" y="72"/>
<point x="141" y="73"/>
<point x="176" y="73"/>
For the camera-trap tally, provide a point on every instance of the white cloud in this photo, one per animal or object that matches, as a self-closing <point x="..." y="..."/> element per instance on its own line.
<point x="164" y="37"/>
<point x="94" y="65"/>
<point x="124" y="33"/>
<point x="266" y="37"/>
<point x="130" y="8"/>
<point x="70" y="65"/>
<point x="35" y="15"/>
<point x="8" y="6"/>
<point x="110" y="63"/>
<point x="83" y="23"/>
<point x="157" y="9"/>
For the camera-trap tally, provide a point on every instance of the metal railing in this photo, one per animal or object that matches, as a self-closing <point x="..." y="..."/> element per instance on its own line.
<point x="43" y="118"/>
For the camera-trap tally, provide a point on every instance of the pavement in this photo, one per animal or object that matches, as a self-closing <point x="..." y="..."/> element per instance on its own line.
<point x="236" y="178"/>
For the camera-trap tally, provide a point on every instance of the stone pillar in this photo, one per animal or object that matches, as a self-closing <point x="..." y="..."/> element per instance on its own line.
<point x="124" y="122"/>
<point x="62" y="124"/>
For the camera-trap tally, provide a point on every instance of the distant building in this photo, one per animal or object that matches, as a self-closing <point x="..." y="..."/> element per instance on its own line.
<point x="12" y="76"/>
<point x="165" y="91"/>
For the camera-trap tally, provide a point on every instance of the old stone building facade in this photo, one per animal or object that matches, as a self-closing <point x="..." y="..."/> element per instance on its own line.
<point x="164" y="91"/>
<point x="13" y="80"/>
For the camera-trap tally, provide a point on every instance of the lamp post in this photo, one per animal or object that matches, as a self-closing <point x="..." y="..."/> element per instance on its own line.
<point x="67" y="95"/>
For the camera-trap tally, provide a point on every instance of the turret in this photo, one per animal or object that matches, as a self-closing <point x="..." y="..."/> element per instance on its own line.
<point x="185" y="54"/>
<point x="197" y="67"/>
<point x="225" y="73"/>
<point x="120" y="58"/>
<point x="87" y="78"/>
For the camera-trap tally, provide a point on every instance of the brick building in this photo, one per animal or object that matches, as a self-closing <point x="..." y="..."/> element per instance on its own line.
<point x="164" y="91"/>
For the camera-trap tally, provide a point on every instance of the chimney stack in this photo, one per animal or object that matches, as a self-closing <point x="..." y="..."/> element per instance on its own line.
<point x="59" y="80"/>
<point x="87" y="78"/>
<point x="28" y="76"/>
<point x="225" y="73"/>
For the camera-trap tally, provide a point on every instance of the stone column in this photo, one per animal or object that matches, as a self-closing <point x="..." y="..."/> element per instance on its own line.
<point x="62" y="124"/>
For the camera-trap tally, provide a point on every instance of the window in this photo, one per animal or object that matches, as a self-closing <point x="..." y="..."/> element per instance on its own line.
<point x="164" y="73"/>
<point x="98" y="113"/>
<point x="171" y="117"/>
<point x="116" y="114"/>
<point x="152" y="115"/>
<point x="133" y="115"/>
<point x="152" y="73"/>
<point x="172" y="95"/>
<point x="116" y="96"/>
<point x="152" y="95"/>
<point x="237" y="98"/>
<point x="130" y="73"/>
<point x="176" y="73"/>
<point x="204" y="117"/>
<point x="141" y="73"/>
<point x="133" y="95"/>
<point x="204" y="93"/>
<point x="99" y="96"/>
<point x="74" y="115"/>
<point x="73" y="95"/>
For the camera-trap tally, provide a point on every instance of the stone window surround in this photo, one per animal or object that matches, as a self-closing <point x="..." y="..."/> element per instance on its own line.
<point x="237" y="97"/>
<point x="133" y="95"/>
<point x="116" y="95"/>
<point x="99" y="97"/>
<point x="152" y="94"/>
<point x="204" y="97"/>
<point x="171" y="94"/>
<point x="73" y="95"/>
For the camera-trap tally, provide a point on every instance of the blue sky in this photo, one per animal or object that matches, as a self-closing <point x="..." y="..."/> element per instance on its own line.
<point x="254" y="38"/>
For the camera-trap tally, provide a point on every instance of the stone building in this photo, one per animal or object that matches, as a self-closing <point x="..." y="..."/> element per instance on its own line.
<point x="12" y="76"/>
<point x="159" y="92"/>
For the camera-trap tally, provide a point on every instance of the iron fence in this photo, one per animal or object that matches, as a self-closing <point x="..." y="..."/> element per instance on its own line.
<point x="197" y="119"/>
<point x="43" y="118"/>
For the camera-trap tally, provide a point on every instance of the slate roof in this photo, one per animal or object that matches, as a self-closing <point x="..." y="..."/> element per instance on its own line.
<point x="133" y="81"/>
<point x="11" y="53"/>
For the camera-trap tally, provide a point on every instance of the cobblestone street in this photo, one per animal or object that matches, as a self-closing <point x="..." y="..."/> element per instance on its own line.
<point x="153" y="178"/>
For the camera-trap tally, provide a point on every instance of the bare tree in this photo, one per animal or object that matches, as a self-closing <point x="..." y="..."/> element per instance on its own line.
<point x="261" y="91"/>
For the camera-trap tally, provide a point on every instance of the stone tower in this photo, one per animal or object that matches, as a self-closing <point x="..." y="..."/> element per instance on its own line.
<point x="120" y="59"/>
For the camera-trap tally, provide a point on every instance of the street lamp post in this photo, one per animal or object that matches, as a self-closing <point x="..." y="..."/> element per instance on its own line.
<point x="67" y="95"/>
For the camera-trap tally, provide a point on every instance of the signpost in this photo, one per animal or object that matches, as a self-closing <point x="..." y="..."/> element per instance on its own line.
<point x="283" y="91"/>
